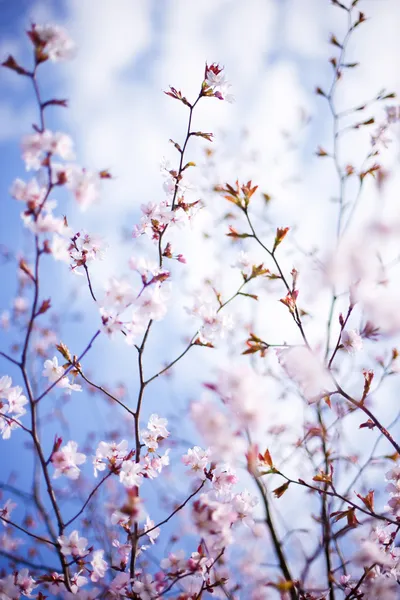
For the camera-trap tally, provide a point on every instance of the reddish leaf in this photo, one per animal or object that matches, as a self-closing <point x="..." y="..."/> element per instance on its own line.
<point x="368" y="500"/>
<point x="11" y="63"/>
<point x="279" y="491"/>
<point x="368" y="424"/>
<point x="44" y="307"/>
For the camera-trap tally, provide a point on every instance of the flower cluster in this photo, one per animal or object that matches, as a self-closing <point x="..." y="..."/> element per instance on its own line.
<point x="55" y="373"/>
<point x="51" y="42"/>
<point x="66" y="460"/>
<point x="215" y="80"/>
<point x="147" y="304"/>
<point x="157" y="217"/>
<point x="12" y="402"/>
<point x="215" y="323"/>
<point x="17" y="585"/>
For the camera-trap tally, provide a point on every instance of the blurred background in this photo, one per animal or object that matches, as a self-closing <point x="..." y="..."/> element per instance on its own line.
<point x="275" y="53"/>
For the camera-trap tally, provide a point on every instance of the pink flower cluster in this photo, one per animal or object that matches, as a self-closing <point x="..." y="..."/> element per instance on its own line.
<point x="12" y="403"/>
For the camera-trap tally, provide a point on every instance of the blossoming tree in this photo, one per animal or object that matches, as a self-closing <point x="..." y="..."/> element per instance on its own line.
<point x="276" y="510"/>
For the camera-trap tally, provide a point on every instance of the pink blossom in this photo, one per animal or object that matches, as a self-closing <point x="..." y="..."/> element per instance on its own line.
<point x="158" y="425"/>
<point x="111" y="322"/>
<point x="217" y="430"/>
<point x="175" y="562"/>
<point x="29" y="192"/>
<point x="16" y="401"/>
<point x="131" y="474"/>
<point x="78" y="581"/>
<point x="73" y="544"/>
<point x="244" y="393"/>
<point x="5" y="319"/>
<point x="5" y="512"/>
<point x="244" y="504"/>
<point x="123" y="551"/>
<point x="56" y="43"/>
<point x="44" y="223"/>
<point x="99" y="565"/>
<point x="306" y="370"/>
<point x="66" y="461"/>
<point x="54" y="372"/>
<point x="369" y="553"/>
<point x="147" y="589"/>
<point x="14" y="406"/>
<point x="197" y="459"/>
<point x="84" y="186"/>
<point x="352" y="341"/>
<point x="223" y="479"/>
<point x="109" y="454"/>
<point x="36" y="145"/>
<point x="214" y="520"/>
<point x="119" y="585"/>
<point x="119" y="294"/>
<point x="244" y="263"/>
<point x="151" y="304"/>
<point x="5" y="385"/>
<point x="8" y="589"/>
<point x="215" y="79"/>
<point x="153" y="464"/>
<point x="25" y="582"/>
<point x="215" y="323"/>
<point x="20" y="304"/>
<point x="154" y="533"/>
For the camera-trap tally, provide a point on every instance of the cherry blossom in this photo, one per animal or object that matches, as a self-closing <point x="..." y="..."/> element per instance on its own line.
<point x="119" y="585"/>
<point x="223" y="479"/>
<point x="36" y="145"/>
<point x="244" y="504"/>
<point x="9" y="589"/>
<point x="155" y="531"/>
<point x="306" y="370"/>
<point x="73" y="544"/>
<point x="5" y="319"/>
<point x="244" y="263"/>
<point x="84" y="186"/>
<point x="123" y="551"/>
<point x="151" y="304"/>
<point x="25" y="582"/>
<point x="158" y="425"/>
<point x="131" y="474"/>
<point x="154" y="464"/>
<point x="20" y="304"/>
<point x="66" y="461"/>
<point x="352" y="341"/>
<point x="5" y="385"/>
<point x="55" y="373"/>
<point x="5" y="512"/>
<point x="30" y="192"/>
<point x="111" y="455"/>
<point x="44" y="223"/>
<point x="215" y="79"/>
<point x="12" y="405"/>
<point x="218" y="430"/>
<point x="99" y="565"/>
<point x="215" y="323"/>
<point x="175" y="562"/>
<point x="197" y="459"/>
<point x="146" y="588"/>
<point x="54" y="41"/>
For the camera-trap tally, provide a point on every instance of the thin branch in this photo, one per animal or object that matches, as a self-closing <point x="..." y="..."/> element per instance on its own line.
<point x="33" y="535"/>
